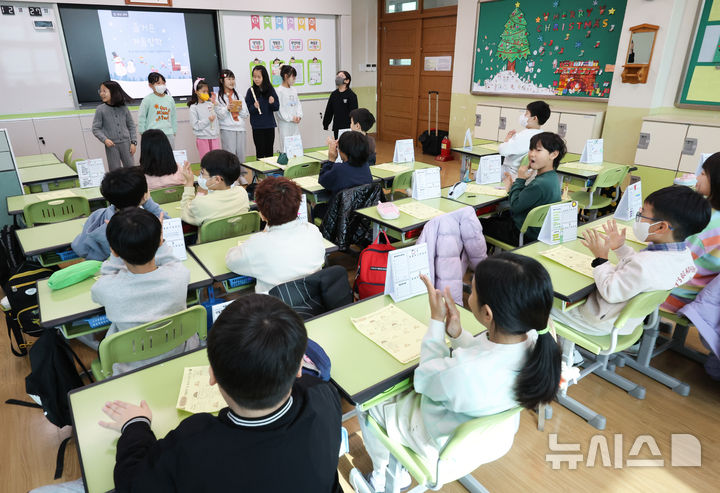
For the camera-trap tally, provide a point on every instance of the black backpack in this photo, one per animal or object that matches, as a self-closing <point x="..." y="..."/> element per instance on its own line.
<point x="11" y="256"/>
<point x="24" y="314"/>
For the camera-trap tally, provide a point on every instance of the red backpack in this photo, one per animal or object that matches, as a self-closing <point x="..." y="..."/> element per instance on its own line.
<point x="372" y="267"/>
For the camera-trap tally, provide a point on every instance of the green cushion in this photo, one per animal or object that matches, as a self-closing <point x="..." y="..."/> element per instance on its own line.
<point x="583" y="199"/>
<point x="596" y="344"/>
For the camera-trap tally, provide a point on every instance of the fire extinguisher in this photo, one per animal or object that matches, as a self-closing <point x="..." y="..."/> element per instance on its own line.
<point x="445" y="154"/>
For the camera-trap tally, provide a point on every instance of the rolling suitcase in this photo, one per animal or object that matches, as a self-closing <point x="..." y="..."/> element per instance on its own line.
<point x="431" y="139"/>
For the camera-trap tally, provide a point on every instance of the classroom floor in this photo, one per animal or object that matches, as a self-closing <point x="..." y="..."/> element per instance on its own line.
<point x="30" y="442"/>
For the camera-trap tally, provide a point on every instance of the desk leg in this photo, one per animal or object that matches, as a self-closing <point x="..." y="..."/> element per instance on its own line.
<point x="465" y="167"/>
<point x="44" y="187"/>
<point x="376" y="230"/>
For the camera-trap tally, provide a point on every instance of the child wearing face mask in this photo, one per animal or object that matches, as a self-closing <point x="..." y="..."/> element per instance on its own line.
<point x="667" y="217"/>
<point x="261" y="101"/>
<point x="219" y="170"/>
<point x="157" y="109"/>
<point x="203" y="118"/>
<point x="290" y="112"/>
<point x="231" y="113"/>
<point x="341" y="102"/>
<point x="516" y="144"/>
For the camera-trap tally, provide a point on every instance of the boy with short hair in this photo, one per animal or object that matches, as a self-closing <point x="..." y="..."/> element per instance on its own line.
<point x="361" y="120"/>
<point x="279" y="432"/>
<point x="667" y="217"/>
<point x="142" y="280"/>
<point x="516" y="144"/>
<point x="123" y="187"/>
<point x="219" y="170"/>
<point x="546" y="151"/>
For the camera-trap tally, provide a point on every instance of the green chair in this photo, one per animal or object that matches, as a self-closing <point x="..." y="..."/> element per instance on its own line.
<point x="56" y="210"/>
<point x="67" y="158"/>
<point x="149" y="340"/>
<point x="298" y="170"/>
<point x="73" y="164"/>
<point x="228" y="227"/>
<point x="591" y="199"/>
<point x="534" y="219"/>
<point x="168" y="194"/>
<point x="451" y="465"/>
<point x="400" y="184"/>
<point x="604" y="347"/>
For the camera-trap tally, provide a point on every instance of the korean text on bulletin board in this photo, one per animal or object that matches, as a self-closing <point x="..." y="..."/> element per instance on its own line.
<point x="702" y="75"/>
<point x="547" y="47"/>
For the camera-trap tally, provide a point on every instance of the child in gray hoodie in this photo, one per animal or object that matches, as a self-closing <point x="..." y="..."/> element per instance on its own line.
<point x="123" y="187"/>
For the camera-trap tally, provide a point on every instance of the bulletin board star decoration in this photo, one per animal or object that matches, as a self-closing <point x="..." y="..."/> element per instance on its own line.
<point x="540" y="38"/>
<point x="556" y="3"/>
<point x="537" y="19"/>
<point x="611" y="11"/>
<point x="517" y="5"/>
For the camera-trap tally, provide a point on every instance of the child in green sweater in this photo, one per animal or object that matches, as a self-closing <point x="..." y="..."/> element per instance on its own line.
<point x="157" y="109"/>
<point x="546" y="151"/>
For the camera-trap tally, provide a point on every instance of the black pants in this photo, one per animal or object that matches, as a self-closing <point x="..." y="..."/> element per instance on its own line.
<point x="264" y="138"/>
<point x="501" y="228"/>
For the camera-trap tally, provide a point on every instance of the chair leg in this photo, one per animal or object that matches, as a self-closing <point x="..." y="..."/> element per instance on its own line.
<point x="472" y="485"/>
<point x="594" y="419"/>
<point x="679" y="337"/>
<point x="358" y="483"/>
<point x="635" y="390"/>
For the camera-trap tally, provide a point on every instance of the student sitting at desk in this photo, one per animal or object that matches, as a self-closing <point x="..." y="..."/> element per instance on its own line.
<point x="265" y="255"/>
<point x="279" y="433"/>
<point x="361" y="120"/>
<point x="546" y="151"/>
<point x="516" y="144"/>
<point x="122" y="187"/>
<point x="136" y="286"/>
<point x="515" y="362"/>
<point x="219" y="197"/>
<point x="667" y="217"/>
<point x="158" y="162"/>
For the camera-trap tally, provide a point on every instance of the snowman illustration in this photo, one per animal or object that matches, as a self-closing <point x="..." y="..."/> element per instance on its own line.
<point x="120" y="69"/>
<point x="130" y="67"/>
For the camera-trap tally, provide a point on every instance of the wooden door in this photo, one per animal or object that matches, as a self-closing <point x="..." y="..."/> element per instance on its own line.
<point x="398" y="79"/>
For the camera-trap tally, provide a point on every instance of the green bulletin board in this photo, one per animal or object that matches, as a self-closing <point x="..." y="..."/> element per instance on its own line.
<point x="547" y="47"/>
<point x="702" y="75"/>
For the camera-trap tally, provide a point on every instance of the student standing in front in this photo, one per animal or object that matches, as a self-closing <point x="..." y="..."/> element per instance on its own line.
<point x="290" y="112"/>
<point x="341" y="102"/>
<point x="114" y="126"/>
<point x="203" y="118"/>
<point x="261" y="100"/>
<point x="157" y="109"/>
<point x="232" y="113"/>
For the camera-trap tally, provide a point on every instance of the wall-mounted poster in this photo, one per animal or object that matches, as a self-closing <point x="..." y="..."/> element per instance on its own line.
<point x="549" y="48"/>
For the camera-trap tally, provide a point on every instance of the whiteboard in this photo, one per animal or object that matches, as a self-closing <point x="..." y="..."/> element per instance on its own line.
<point x="307" y="42"/>
<point x="32" y="65"/>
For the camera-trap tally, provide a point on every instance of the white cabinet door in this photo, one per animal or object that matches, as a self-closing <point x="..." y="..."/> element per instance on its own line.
<point x="311" y="129"/>
<point x="22" y="136"/>
<point x="552" y="124"/>
<point x="509" y="120"/>
<point x="577" y="129"/>
<point x="185" y="138"/>
<point x="58" y="134"/>
<point x="698" y="140"/>
<point x="660" y="144"/>
<point x="486" y="122"/>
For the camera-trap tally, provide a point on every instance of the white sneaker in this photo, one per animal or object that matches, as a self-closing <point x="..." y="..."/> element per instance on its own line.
<point x="377" y="481"/>
<point x="577" y="358"/>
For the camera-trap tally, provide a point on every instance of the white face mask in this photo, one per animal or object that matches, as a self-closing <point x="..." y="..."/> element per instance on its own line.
<point x="202" y="183"/>
<point x="523" y="120"/>
<point x="160" y="88"/>
<point x="641" y="229"/>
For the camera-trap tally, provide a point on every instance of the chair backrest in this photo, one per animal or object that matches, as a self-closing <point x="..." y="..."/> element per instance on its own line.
<point x="320" y="292"/>
<point x="472" y="430"/>
<point x="228" y="227"/>
<point x="56" y="210"/>
<point x="73" y="164"/>
<point x="402" y="182"/>
<point x="344" y="228"/>
<point x="609" y="178"/>
<point x="168" y="194"/>
<point x="536" y="217"/>
<point x="153" y="338"/>
<point x="641" y="305"/>
<point x="298" y="170"/>
<point x="67" y="158"/>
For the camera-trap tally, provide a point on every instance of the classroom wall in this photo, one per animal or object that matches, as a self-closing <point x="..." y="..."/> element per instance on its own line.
<point x="364" y="51"/>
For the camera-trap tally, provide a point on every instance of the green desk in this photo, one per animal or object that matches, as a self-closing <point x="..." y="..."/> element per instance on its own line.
<point x="388" y="176"/>
<point x="350" y="351"/>
<point x="158" y="384"/>
<point x="17" y="203"/>
<point x="570" y="286"/>
<point x="406" y="222"/>
<point x="476" y="201"/>
<point x="477" y="150"/>
<point x="263" y="168"/>
<point x="42" y="175"/>
<point x="586" y="175"/>
<point x="212" y="255"/>
<point x="75" y="303"/>
<point x="36" y="160"/>
<point x="316" y="194"/>
<point x="321" y="155"/>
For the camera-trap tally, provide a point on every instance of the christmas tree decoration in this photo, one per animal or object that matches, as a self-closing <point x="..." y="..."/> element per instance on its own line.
<point x="514" y="39"/>
<point x="611" y="11"/>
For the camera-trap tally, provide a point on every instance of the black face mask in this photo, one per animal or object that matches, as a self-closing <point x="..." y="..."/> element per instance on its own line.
<point x="339" y="81"/>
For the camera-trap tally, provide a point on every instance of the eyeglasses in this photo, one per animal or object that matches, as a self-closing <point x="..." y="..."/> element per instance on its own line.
<point x="639" y="216"/>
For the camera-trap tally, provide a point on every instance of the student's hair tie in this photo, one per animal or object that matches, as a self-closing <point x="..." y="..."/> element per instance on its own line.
<point x="197" y="81"/>
<point x="544" y="331"/>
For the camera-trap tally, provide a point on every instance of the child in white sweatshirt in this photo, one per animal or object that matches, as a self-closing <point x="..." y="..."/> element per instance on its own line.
<point x="204" y="119"/>
<point x="290" y="112"/>
<point x="232" y="113"/>
<point x="516" y="144"/>
<point x="668" y="216"/>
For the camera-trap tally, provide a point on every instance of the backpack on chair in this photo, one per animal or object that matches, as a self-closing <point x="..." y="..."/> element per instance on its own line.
<point x="372" y="268"/>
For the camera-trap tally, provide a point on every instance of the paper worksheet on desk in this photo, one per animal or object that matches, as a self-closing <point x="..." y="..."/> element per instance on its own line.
<point x="560" y="224"/>
<point x="467" y="143"/>
<point x="404" y="266"/>
<point x="180" y="156"/>
<point x="426" y="183"/>
<point x="630" y="203"/>
<point x="303" y="210"/>
<point x="293" y="146"/>
<point x="90" y="172"/>
<point x="338" y="159"/>
<point x="218" y="309"/>
<point x="394" y="330"/>
<point x="579" y="262"/>
<point x="592" y="152"/>
<point x="196" y="393"/>
<point x="404" y="151"/>
<point x="173" y="236"/>
<point x="489" y="170"/>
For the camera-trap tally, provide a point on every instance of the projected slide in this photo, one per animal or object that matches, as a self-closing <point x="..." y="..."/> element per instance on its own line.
<point x="137" y="43"/>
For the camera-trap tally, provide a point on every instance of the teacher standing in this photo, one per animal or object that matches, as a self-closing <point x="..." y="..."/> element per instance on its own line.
<point x="341" y="102"/>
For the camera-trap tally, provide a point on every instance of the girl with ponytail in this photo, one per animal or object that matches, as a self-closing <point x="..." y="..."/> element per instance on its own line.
<point x="515" y="362"/>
